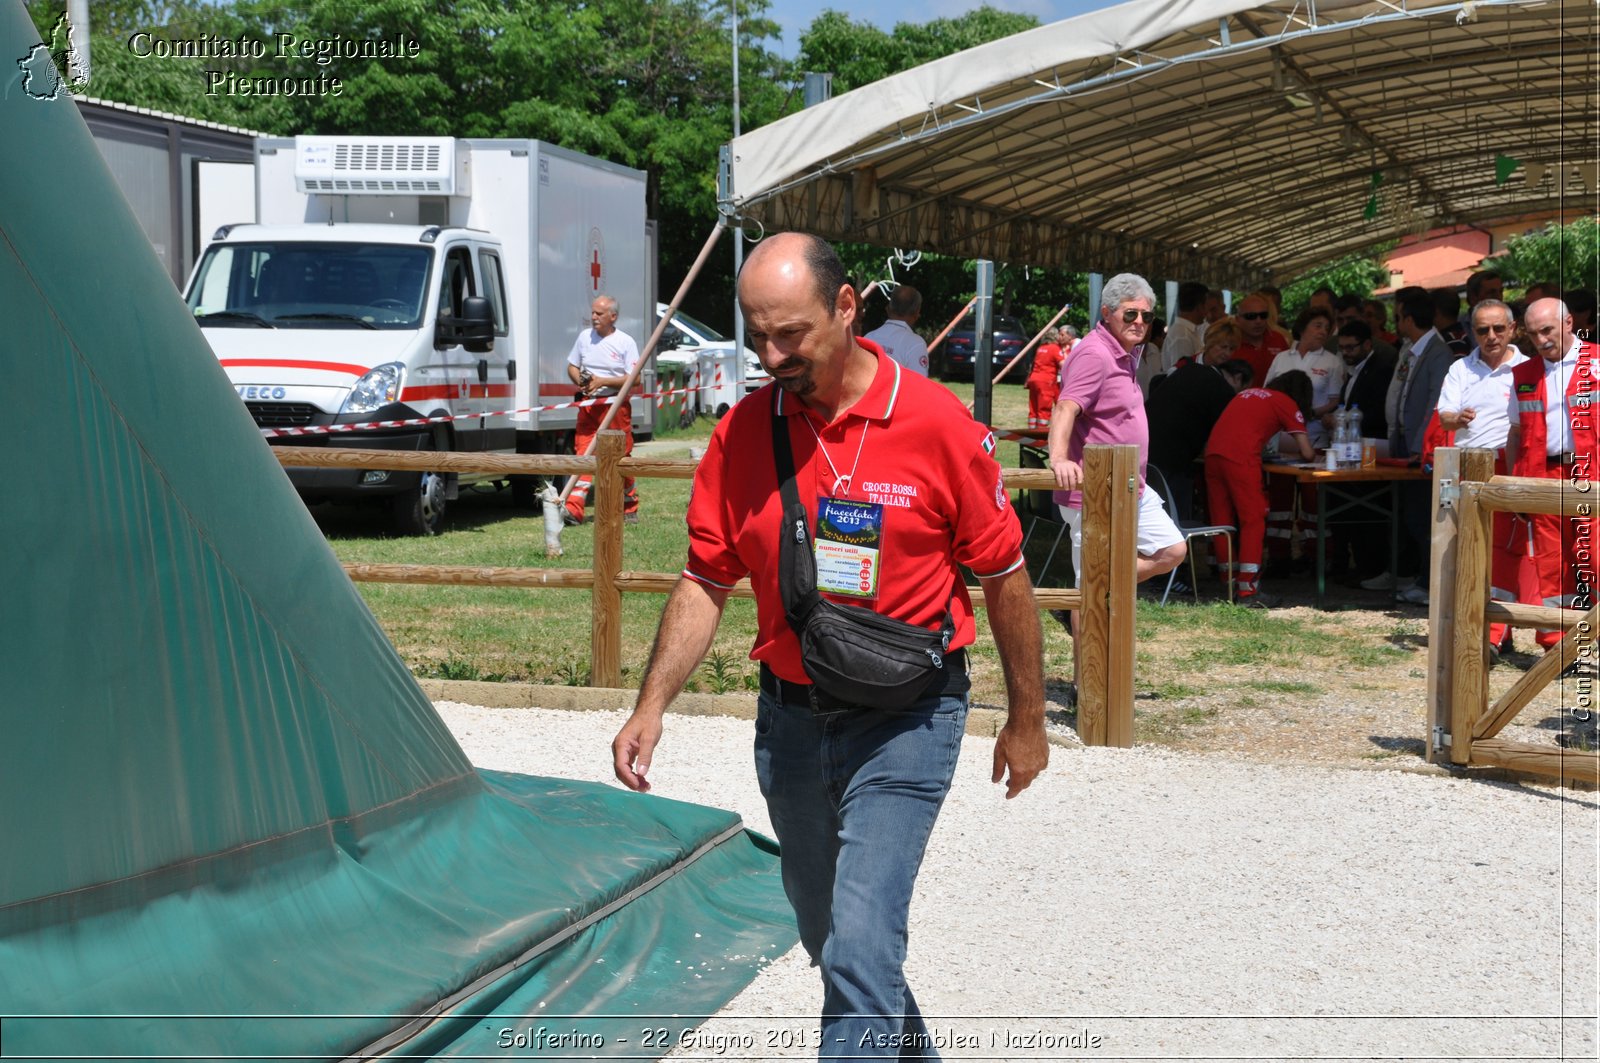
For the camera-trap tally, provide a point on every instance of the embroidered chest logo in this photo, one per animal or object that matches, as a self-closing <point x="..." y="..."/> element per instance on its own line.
<point x="890" y="494"/>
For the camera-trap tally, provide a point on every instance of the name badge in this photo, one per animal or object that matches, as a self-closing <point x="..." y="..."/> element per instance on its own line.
<point x="848" y="540"/>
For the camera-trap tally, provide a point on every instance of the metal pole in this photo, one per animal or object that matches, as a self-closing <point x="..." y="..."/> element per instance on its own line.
<point x="738" y="230"/>
<point x="983" y="345"/>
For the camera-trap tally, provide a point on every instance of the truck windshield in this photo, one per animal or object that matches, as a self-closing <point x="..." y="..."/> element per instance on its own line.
<point x="310" y="285"/>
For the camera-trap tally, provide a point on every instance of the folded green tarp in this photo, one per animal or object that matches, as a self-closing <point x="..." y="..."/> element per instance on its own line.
<point x="221" y="793"/>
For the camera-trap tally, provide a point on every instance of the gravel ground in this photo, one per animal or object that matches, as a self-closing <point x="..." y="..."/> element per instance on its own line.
<point x="1156" y="904"/>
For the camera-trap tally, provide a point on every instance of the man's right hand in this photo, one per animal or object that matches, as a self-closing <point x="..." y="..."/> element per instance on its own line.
<point x="1069" y="474"/>
<point x="632" y="748"/>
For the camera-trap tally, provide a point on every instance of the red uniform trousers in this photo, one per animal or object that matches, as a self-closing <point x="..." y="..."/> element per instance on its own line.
<point x="1508" y="558"/>
<point x="1563" y="557"/>
<point x="589" y="418"/>
<point x="1042" y="396"/>
<point x="1235" y="496"/>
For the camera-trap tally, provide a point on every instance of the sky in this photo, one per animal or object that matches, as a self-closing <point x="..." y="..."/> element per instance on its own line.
<point x="795" y="15"/>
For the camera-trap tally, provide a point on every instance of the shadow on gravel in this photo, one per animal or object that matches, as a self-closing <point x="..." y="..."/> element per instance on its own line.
<point x="1400" y="744"/>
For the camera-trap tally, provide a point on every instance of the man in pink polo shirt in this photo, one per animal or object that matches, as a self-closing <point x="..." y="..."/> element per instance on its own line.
<point x="1100" y="403"/>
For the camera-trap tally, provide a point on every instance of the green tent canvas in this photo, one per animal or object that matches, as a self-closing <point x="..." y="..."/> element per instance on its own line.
<point x="233" y="824"/>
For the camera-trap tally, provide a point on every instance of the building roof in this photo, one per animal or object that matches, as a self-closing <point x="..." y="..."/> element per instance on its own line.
<point x="1227" y="142"/>
<point x="165" y="116"/>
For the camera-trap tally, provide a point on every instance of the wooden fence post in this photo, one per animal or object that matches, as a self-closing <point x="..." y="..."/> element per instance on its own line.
<point x="1441" y="601"/>
<point x="1121" y="604"/>
<point x="1469" y="649"/>
<point x="1094" y="584"/>
<point x="605" y="632"/>
<point x="1105" y="650"/>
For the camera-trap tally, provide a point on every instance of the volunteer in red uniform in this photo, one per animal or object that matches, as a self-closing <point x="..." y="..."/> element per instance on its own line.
<point x="1234" y="489"/>
<point x="853" y="790"/>
<point x="599" y="363"/>
<point x="1554" y="437"/>
<point x="1261" y="342"/>
<point x="1044" y="381"/>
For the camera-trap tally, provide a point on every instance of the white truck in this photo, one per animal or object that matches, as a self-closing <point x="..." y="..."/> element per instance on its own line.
<point x="394" y="279"/>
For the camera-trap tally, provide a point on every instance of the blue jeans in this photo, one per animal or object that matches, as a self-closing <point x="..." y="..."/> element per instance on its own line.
<point x="853" y="796"/>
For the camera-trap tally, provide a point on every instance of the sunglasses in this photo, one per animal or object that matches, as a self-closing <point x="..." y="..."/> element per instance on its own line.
<point x="1130" y="316"/>
<point x="1498" y="330"/>
<point x="1260" y="315"/>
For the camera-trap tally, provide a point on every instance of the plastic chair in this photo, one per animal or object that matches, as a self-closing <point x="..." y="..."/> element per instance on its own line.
<point x="1191" y="531"/>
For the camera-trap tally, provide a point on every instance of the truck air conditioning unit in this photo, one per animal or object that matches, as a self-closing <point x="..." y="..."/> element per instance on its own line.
<point x="378" y="166"/>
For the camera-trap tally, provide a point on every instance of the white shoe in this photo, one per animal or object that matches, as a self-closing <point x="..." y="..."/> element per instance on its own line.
<point x="1382" y="582"/>
<point x="1412" y="595"/>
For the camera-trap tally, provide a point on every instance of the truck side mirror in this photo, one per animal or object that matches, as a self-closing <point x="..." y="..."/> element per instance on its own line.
<point x="671" y="339"/>
<point x="474" y="329"/>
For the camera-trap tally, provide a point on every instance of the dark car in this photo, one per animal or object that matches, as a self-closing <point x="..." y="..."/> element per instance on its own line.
<point x="1009" y="338"/>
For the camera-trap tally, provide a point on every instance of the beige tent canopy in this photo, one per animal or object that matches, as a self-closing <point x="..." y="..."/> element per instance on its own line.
<point x="1206" y="138"/>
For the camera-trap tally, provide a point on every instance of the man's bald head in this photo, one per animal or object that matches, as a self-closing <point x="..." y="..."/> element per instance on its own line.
<point x="793" y="254"/>
<point x="1549" y="326"/>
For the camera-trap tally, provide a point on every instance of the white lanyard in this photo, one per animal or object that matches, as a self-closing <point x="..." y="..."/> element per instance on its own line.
<point x="841" y="484"/>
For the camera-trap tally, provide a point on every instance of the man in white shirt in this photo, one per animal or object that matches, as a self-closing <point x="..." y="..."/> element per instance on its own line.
<point x="599" y="363"/>
<point x="1311" y="356"/>
<point x="1184" y="334"/>
<point x="896" y="336"/>
<point x="1476" y="400"/>
<point x="1478" y="403"/>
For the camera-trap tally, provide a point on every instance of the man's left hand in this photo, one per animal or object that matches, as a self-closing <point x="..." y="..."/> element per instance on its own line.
<point x="1022" y="750"/>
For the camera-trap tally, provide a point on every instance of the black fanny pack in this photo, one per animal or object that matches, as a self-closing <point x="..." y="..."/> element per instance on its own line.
<point x="856" y="655"/>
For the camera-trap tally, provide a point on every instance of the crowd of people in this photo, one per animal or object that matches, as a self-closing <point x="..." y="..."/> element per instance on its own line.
<point x="1218" y="394"/>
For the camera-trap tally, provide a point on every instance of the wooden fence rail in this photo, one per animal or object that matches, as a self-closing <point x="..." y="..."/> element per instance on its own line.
<point x="1106" y="597"/>
<point x="1462" y="722"/>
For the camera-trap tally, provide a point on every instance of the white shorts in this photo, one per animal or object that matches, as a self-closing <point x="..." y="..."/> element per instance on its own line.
<point x="1156" y="529"/>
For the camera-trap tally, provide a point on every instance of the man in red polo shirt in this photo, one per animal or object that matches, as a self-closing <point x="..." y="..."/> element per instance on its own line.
<point x="853" y="790"/>
<point x="1554" y="436"/>
<point x="1261" y="342"/>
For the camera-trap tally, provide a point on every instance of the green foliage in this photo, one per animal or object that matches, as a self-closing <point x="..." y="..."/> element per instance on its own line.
<point x="1351" y="275"/>
<point x="721" y="672"/>
<point x="858" y="53"/>
<point x="1568" y="255"/>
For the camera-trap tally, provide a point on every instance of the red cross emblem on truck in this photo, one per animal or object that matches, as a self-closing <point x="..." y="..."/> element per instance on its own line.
<point x="597" y="264"/>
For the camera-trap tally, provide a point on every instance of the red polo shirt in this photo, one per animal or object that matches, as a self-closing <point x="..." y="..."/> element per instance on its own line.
<point x="1260" y="356"/>
<point x="923" y="458"/>
<point x="1254" y="416"/>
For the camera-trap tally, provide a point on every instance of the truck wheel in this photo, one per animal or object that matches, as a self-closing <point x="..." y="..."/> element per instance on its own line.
<point x="420" y="509"/>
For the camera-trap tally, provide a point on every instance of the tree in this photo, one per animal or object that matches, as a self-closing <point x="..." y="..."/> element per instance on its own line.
<point x="858" y="53"/>
<point x="1566" y="255"/>
<point x="1351" y="275"/>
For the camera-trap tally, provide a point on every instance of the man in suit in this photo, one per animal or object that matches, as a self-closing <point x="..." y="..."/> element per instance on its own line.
<point x="1431" y="359"/>
<point x="1367" y="374"/>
